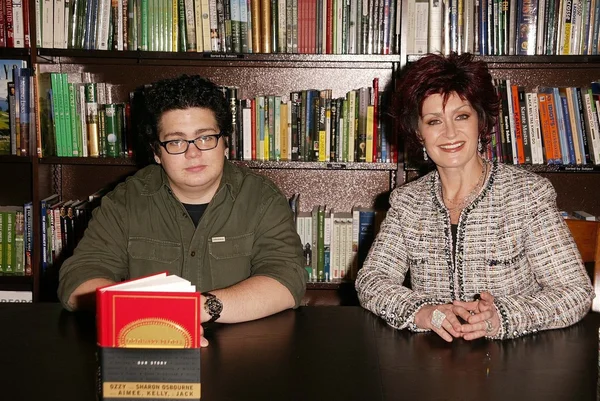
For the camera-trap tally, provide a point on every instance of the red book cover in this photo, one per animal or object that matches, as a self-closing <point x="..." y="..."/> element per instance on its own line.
<point x="134" y="318"/>
<point x="2" y="24"/>
<point x="10" y="35"/>
<point x="26" y="29"/>
<point x="518" y="126"/>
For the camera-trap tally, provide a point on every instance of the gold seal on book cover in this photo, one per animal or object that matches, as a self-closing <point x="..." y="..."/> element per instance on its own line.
<point x="154" y="333"/>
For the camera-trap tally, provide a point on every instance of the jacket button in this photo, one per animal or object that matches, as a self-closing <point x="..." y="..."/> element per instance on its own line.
<point x="193" y="253"/>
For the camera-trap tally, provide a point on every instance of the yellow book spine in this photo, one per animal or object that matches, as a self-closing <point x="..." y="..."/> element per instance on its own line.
<point x="370" y="116"/>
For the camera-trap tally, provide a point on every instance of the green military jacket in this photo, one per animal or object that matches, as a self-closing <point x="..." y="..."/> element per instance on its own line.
<point x="141" y="228"/>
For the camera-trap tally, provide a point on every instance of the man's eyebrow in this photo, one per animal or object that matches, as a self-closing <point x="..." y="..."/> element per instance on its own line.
<point x="198" y="132"/>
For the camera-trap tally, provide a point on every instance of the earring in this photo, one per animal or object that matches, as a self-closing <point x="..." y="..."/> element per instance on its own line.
<point x="425" y="154"/>
<point x="479" y="145"/>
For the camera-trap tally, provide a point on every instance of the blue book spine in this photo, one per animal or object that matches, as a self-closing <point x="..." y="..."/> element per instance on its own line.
<point x="568" y="131"/>
<point x="564" y="147"/>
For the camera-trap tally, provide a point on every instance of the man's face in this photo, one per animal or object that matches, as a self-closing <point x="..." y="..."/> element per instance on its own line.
<point x="194" y="175"/>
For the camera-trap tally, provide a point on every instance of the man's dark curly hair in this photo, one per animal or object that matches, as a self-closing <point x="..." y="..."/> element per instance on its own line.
<point x="149" y="102"/>
<point x="444" y="75"/>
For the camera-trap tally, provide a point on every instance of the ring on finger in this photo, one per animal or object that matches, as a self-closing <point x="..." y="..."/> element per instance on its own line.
<point x="437" y="318"/>
<point x="489" y="327"/>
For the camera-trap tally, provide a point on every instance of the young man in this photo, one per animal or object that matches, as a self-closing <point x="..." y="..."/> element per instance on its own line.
<point x="227" y="230"/>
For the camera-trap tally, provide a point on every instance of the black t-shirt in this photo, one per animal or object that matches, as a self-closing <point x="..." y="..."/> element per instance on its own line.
<point x="195" y="211"/>
<point x="454" y="229"/>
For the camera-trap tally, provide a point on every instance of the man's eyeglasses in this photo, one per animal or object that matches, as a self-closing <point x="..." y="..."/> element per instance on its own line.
<point x="179" y="146"/>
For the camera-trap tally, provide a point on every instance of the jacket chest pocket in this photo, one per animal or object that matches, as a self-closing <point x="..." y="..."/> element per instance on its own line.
<point x="147" y="256"/>
<point x="509" y="274"/>
<point x="230" y="259"/>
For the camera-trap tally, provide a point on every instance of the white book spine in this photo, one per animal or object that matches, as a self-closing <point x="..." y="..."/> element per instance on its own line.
<point x="247" y="133"/>
<point x="103" y="24"/>
<point x="421" y="30"/>
<point x="18" y="23"/>
<point x="538" y="129"/>
<point x="38" y="23"/>
<point x="82" y="119"/>
<point x="59" y="24"/>
<point x="434" y="27"/>
<point x="205" y="12"/>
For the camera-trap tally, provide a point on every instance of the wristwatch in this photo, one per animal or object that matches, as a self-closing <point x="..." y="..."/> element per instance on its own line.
<point x="213" y="306"/>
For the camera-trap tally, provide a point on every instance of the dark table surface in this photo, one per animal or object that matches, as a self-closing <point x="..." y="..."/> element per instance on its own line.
<point x="313" y="353"/>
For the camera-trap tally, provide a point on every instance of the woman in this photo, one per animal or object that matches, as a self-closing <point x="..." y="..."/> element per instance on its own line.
<point x="487" y="250"/>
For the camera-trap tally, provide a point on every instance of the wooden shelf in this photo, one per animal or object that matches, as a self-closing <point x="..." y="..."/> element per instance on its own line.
<point x="528" y="59"/>
<point x="16" y="283"/>
<point x="253" y="164"/>
<point x="312" y="285"/>
<point x="542" y="168"/>
<point x="101" y="161"/>
<point x="15" y="159"/>
<point x="71" y="56"/>
<point x="298" y="165"/>
<point x="13" y="53"/>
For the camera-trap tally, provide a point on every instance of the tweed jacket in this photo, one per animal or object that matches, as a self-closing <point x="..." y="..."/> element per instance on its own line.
<point x="511" y="242"/>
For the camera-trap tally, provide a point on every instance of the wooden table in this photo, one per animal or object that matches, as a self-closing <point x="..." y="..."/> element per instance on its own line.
<point x="313" y="353"/>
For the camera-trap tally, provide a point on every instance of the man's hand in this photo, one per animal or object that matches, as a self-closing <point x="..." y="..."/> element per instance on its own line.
<point x="450" y="325"/>
<point x="481" y="317"/>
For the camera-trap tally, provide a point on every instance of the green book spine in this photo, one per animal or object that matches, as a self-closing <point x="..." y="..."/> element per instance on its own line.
<point x="66" y="111"/>
<point x="321" y="245"/>
<point x="2" y="242"/>
<point x="58" y="113"/>
<point x="111" y="129"/>
<point x="9" y="229"/>
<point x="19" y="247"/>
<point x="121" y="132"/>
<point x="73" y="121"/>
<point x="272" y="132"/>
<point x="102" y="130"/>
<point x="144" y="24"/>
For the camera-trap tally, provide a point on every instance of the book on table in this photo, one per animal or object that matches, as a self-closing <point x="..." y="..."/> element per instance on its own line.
<point x="149" y="339"/>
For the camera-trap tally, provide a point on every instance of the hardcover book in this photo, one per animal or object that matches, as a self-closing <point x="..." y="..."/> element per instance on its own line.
<point x="149" y="339"/>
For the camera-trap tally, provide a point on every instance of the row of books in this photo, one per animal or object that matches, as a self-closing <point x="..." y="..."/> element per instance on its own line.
<point x="310" y="125"/>
<point x="579" y="215"/>
<point x="547" y="125"/>
<point x="15" y="233"/>
<point x="17" y="111"/>
<point x="14" y="24"/>
<point x="511" y="27"/>
<point x="232" y="26"/>
<point x="63" y="223"/>
<point x="79" y="117"/>
<point x="335" y="243"/>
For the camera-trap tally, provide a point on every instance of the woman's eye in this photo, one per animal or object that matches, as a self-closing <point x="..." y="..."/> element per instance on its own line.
<point x="462" y="117"/>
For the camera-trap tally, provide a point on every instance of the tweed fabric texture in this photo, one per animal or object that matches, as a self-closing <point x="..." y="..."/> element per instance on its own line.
<point x="512" y="242"/>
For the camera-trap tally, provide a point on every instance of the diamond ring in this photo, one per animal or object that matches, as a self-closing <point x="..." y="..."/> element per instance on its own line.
<point x="488" y="326"/>
<point x="437" y="318"/>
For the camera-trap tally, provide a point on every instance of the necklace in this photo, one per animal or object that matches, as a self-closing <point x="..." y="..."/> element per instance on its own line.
<point x="459" y="204"/>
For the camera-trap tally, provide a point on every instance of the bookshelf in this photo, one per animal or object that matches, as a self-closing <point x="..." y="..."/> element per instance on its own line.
<point x="333" y="184"/>
<point x="339" y="185"/>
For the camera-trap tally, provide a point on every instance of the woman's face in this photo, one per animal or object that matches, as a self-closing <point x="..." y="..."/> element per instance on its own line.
<point x="449" y="134"/>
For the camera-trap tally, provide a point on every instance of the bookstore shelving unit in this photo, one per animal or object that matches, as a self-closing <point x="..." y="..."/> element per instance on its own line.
<point x="338" y="185"/>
